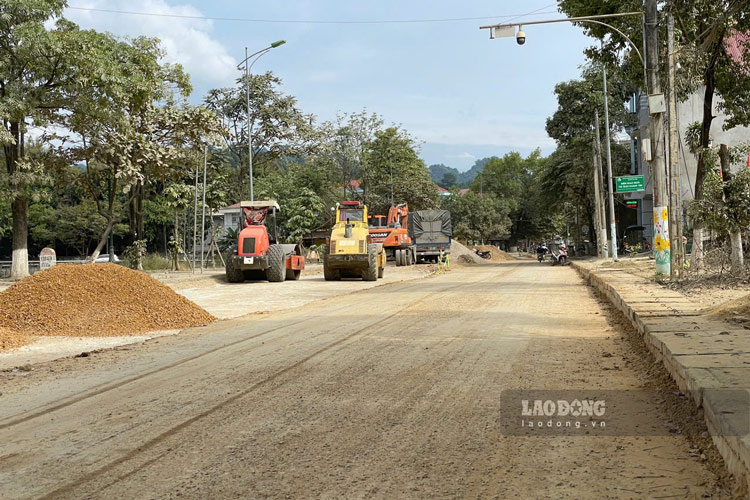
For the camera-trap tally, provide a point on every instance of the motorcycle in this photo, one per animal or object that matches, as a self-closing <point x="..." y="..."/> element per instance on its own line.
<point x="485" y="254"/>
<point x="541" y="252"/>
<point x="559" y="257"/>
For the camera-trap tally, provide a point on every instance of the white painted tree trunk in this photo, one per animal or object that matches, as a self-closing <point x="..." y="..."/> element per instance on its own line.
<point x="19" y="268"/>
<point x="738" y="264"/>
<point x="696" y="257"/>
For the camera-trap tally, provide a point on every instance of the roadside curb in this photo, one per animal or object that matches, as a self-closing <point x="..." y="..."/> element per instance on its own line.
<point x="699" y="353"/>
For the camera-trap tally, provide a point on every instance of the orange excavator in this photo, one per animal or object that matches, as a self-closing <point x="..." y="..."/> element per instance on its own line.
<point x="393" y="233"/>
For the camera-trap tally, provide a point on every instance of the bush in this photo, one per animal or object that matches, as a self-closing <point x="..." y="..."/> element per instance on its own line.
<point x="156" y="262"/>
<point x="134" y="254"/>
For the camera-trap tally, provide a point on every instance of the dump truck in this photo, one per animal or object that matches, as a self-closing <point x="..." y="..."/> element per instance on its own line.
<point x="393" y="233"/>
<point x="350" y="252"/>
<point x="431" y="231"/>
<point x="258" y="255"/>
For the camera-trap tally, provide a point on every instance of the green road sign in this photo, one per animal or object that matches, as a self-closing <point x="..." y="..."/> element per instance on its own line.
<point x="630" y="183"/>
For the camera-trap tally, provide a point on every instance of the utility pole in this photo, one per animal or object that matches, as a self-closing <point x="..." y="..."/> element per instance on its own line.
<point x="675" y="206"/>
<point x="249" y="125"/>
<point x="656" y="109"/>
<point x="601" y="216"/>
<point x="195" y="218"/>
<point x="203" y="208"/>
<point x="612" y="220"/>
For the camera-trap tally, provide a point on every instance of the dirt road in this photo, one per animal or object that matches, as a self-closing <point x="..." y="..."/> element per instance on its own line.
<point x="391" y="392"/>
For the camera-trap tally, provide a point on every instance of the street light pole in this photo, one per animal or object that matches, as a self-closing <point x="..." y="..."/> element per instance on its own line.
<point x="508" y="30"/>
<point x="247" y="67"/>
<point x="612" y="221"/>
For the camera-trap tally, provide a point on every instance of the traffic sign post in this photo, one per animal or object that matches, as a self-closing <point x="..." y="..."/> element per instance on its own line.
<point x="630" y="183"/>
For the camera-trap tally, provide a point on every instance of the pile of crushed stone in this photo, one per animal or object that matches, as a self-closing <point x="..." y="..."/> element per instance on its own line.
<point x="463" y="255"/>
<point x="95" y="300"/>
<point x="496" y="255"/>
<point x="10" y="339"/>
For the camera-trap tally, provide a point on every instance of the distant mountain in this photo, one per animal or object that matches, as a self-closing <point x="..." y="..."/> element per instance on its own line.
<point x="437" y="172"/>
<point x="463" y="179"/>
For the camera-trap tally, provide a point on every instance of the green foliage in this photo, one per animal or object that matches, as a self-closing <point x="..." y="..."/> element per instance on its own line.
<point x="392" y="169"/>
<point x="449" y="180"/>
<point x="5" y="217"/>
<point x="229" y="239"/>
<point x="279" y="128"/>
<point x="155" y="262"/>
<point x="133" y="254"/>
<point x="302" y="214"/>
<point x="477" y="217"/>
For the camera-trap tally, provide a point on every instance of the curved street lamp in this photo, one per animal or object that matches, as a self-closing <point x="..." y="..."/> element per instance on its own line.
<point x="247" y="66"/>
<point x="508" y="30"/>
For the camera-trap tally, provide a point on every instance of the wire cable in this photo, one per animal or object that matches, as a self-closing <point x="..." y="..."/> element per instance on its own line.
<point x="313" y="21"/>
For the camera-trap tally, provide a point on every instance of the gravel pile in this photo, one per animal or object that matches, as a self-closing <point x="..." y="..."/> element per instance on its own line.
<point x="460" y="253"/>
<point x="496" y="255"/>
<point x="10" y="339"/>
<point x="95" y="300"/>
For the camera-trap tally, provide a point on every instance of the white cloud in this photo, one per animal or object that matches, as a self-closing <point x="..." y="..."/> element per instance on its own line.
<point x="462" y="156"/>
<point x="186" y="41"/>
<point x="524" y="136"/>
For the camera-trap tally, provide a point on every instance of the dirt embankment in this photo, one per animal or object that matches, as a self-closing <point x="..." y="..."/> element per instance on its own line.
<point x="737" y="311"/>
<point x="462" y="255"/>
<point x="94" y="300"/>
<point x="496" y="255"/>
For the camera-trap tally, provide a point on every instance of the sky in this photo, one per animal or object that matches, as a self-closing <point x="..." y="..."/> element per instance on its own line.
<point x="461" y="95"/>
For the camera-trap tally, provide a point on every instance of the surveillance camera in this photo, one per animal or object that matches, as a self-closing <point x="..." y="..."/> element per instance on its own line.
<point x="520" y="37"/>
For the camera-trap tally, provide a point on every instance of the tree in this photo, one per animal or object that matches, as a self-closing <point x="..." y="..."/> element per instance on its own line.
<point x="39" y="68"/>
<point x="703" y="30"/>
<point x="278" y="127"/>
<point x="725" y="205"/>
<point x="178" y="198"/>
<point x="448" y="181"/>
<point x="133" y="130"/>
<point x="477" y="217"/>
<point x="394" y="173"/>
<point x="302" y="212"/>
<point x="344" y="141"/>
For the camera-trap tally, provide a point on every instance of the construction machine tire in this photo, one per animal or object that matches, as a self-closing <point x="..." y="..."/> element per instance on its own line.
<point x="371" y="273"/>
<point x="399" y="257"/>
<point x="409" y="257"/>
<point x="276" y="271"/>
<point x="234" y="275"/>
<point x="380" y="272"/>
<point x="328" y="273"/>
<point x="293" y="274"/>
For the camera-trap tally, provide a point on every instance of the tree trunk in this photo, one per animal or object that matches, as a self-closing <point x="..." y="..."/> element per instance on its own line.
<point x="738" y="260"/>
<point x="735" y="236"/>
<point x="19" y="206"/>
<point x="176" y="245"/>
<point x="696" y="258"/>
<point x="102" y="240"/>
<point x="20" y="266"/>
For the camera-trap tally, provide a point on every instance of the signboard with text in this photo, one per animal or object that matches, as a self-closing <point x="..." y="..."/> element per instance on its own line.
<point x="47" y="258"/>
<point x="630" y="183"/>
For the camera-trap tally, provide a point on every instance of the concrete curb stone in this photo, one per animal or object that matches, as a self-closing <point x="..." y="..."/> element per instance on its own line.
<point x="698" y="353"/>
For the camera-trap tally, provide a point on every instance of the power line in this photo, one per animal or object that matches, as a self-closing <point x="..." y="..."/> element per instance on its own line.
<point x="312" y="21"/>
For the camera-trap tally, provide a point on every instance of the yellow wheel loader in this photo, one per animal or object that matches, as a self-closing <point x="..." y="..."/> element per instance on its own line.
<point x="351" y="252"/>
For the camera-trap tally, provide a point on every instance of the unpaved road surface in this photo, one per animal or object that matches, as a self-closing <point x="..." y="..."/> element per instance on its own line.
<point x="391" y="392"/>
<point x="231" y="300"/>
